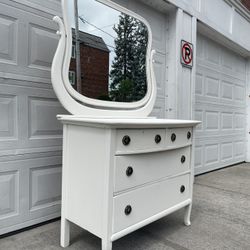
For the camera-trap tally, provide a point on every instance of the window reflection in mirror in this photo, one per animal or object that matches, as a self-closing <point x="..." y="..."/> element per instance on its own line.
<point x="108" y="53"/>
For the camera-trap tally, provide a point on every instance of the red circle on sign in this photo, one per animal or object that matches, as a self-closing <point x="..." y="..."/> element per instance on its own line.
<point x="187" y="59"/>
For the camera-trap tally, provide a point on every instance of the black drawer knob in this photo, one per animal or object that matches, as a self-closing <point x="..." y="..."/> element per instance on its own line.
<point x="183" y="159"/>
<point x="128" y="210"/>
<point x="189" y="135"/>
<point x="173" y="137"/>
<point x="129" y="171"/>
<point x="126" y="140"/>
<point x="182" y="189"/>
<point x="157" y="139"/>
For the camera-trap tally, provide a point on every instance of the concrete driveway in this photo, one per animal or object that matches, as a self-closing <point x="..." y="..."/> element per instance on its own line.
<point x="220" y="220"/>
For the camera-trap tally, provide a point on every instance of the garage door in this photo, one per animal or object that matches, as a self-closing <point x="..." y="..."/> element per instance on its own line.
<point x="30" y="136"/>
<point x="221" y="106"/>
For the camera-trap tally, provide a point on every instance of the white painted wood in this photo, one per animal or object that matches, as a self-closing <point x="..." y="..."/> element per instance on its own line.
<point x="65" y="224"/>
<point x="76" y="108"/>
<point x="94" y="194"/>
<point x="233" y="25"/>
<point x="161" y="174"/>
<point x="141" y="140"/>
<point x="65" y="232"/>
<point x="147" y="122"/>
<point x="90" y="107"/>
<point x="89" y="177"/>
<point x="193" y="73"/>
<point x="220" y="95"/>
<point x="171" y="66"/>
<point x="148" y="201"/>
<point x="182" y="26"/>
<point x="48" y="6"/>
<point x="149" y="167"/>
<point x="150" y="220"/>
<point x="177" y="78"/>
<point x="146" y="142"/>
<point x="187" y="215"/>
<point x="108" y="192"/>
<point x="106" y="245"/>
<point x="248" y="111"/>
<point x="184" y="78"/>
<point x="157" y="22"/>
<point x="181" y="137"/>
<point x="94" y="102"/>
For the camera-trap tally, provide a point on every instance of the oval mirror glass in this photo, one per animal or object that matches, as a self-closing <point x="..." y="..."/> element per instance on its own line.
<point x="109" y="50"/>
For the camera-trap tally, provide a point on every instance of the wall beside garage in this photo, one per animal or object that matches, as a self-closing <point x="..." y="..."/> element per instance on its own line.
<point x="248" y="109"/>
<point x="230" y="30"/>
<point x="232" y="25"/>
<point x="230" y="33"/>
<point x="182" y="26"/>
<point x="30" y="136"/>
<point x="230" y="36"/>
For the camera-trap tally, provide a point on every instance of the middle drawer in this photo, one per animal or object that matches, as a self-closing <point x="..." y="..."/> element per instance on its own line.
<point x="135" y="170"/>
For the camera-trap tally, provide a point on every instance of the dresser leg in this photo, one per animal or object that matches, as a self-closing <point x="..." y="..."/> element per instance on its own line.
<point x="65" y="232"/>
<point x="187" y="215"/>
<point x="106" y="245"/>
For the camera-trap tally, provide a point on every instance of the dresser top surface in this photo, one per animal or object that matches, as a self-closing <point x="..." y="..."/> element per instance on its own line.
<point x="149" y="122"/>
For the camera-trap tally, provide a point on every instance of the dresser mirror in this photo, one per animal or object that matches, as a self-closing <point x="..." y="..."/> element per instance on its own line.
<point x="109" y="60"/>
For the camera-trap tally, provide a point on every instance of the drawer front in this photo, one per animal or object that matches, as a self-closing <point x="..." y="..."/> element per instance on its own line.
<point x="178" y="137"/>
<point x="134" y="170"/>
<point x="142" y="203"/>
<point x="134" y="140"/>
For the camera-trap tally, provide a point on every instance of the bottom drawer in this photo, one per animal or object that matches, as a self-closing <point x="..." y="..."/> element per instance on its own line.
<point x="142" y="203"/>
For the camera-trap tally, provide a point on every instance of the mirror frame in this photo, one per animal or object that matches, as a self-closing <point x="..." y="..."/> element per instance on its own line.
<point x="95" y="102"/>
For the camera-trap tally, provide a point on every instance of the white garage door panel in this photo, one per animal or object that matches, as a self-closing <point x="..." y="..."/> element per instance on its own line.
<point x="27" y="42"/>
<point x="29" y="190"/>
<point x="211" y="155"/>
<point x="219" y="120"/>
<point x="29" y="119"/>
<point x="220" y="95"/>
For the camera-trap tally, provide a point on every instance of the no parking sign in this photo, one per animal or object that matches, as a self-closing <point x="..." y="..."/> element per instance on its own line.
<point x="186" y="54"/>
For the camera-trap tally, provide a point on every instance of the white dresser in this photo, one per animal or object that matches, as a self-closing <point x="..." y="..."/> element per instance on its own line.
<point x="122" y="174"/>
<point x="121" y="169"/>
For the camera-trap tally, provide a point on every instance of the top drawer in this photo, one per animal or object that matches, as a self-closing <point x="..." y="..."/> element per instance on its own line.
<point x="132" y="141"/>
<point x="178" y="137"/>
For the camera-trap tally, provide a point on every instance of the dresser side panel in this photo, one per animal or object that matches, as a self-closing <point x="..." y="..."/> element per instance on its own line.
<point x="87" y="162"/>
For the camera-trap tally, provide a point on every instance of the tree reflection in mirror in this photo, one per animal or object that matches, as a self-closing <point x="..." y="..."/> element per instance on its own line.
<point x="108" y="53"/>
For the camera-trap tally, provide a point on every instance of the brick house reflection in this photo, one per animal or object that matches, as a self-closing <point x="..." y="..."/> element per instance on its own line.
<point x="94" y="55"/>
